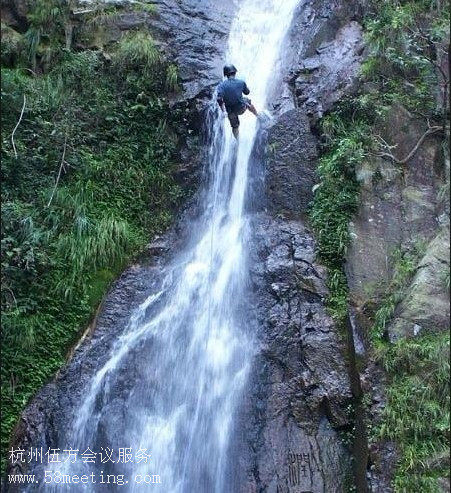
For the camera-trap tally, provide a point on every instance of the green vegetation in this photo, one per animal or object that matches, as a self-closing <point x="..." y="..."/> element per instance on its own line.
<point x="416" y="415"/>
<point x="87" y="180"/>
<point x="336" y="197"/>
<point x="404" y="267"/>
<point x="417" y="412"/>
<point x="407" y="41"/>
<point x="402" y="67"/>
<point x="407" y="45"/>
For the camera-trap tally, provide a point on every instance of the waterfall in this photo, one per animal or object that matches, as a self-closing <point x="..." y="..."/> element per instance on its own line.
<point x="176" y="374"/>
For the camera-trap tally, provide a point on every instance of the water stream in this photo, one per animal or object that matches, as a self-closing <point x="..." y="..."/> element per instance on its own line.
<point x="189" y="344"/>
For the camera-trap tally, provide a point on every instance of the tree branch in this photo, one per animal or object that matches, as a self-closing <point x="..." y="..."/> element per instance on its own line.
<point x="60" y="170"/>
<point x="11" y="293"/>
<point x="429" y="131"/>
<point x="17" y="125"/>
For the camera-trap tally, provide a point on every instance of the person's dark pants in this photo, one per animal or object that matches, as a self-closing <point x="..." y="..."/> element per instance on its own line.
<point x="234" y="113"/>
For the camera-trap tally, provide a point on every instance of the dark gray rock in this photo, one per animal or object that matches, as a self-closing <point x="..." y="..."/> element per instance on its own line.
<point x="291" y="167"/>
<point x="315" y="78"/>
<point x="299" y="388"/>
<point x="383" y="457"/>
<point x="322" y="57"/>
<point x="196" y="36"/>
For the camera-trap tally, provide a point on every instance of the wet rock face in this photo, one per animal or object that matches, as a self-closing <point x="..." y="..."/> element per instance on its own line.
<point x="320" y="65"/>
<point x="294" y="408"/>
<point x="196" y="34"/>
<point x="322" y="56"/>
<point x="192" y="32"/>
<point x="291" y="165"/>
<point x="315" y="77"/>
<point x="299" y="387"/>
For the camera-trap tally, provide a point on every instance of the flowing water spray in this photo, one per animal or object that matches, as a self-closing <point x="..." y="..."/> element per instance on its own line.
<point x="174" y="377"/>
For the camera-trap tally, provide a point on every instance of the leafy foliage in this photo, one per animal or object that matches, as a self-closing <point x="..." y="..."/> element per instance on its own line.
<point x="107" y="132"/>
<point x="137" y="49"/>
<point x="406" y="49"/>
<point x="336" y="196"/>
<point x="404" y="266"/>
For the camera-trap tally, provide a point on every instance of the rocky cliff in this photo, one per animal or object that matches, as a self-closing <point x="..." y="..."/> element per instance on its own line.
<point x="402" y="208"/>
<point x="292" y="428"/>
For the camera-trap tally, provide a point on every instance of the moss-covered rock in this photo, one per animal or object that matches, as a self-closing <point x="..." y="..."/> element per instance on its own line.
<point x="425" y="307"/>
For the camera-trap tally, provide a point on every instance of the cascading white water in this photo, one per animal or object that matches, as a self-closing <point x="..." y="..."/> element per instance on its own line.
<point x="190" y="340"/>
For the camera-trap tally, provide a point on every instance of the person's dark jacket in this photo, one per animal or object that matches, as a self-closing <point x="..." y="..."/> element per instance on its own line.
<point x="230" y="93"/>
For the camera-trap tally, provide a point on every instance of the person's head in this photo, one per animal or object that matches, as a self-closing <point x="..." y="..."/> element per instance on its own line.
<point x="229" y="71"/>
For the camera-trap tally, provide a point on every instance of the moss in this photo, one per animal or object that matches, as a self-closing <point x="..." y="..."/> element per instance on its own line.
<point x="100" y="282"/>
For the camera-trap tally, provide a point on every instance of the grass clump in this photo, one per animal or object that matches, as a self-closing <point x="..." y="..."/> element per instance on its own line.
<point x="137" y="49"/>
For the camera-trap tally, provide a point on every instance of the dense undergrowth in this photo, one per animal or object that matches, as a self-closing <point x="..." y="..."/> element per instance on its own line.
<point x="417" y="414"/>
<point x="406" y="47"/>
<point x="86" y="181"/>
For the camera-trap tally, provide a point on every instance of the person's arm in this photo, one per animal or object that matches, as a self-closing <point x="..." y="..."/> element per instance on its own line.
<point x="220" y="98"/>
<point x="246" y="89"/>
<point x="221" y="104"/>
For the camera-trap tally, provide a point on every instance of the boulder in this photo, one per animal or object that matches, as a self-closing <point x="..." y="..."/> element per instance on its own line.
<point x="425" y="307"/>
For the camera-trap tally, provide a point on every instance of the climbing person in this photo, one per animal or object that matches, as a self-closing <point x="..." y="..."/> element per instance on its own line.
<point x="231" y="100"/>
